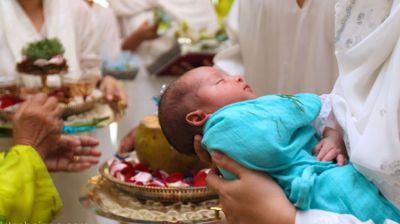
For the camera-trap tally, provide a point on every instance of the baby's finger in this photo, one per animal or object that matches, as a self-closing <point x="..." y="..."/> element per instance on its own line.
<point x="317" y="148"/>
<point x="341" y="160"/>
<point x="324" y="151"/>
<point x="330" y="155"/>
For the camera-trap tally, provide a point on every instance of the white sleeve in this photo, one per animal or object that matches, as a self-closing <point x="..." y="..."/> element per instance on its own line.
<point x="128" y="8"/>
<point x="230" y="59"/>
<point x="324" y="217"/>
<point x="326" y="118"/>
<point x="109" y="33"/>
<point x="87" y="40"/>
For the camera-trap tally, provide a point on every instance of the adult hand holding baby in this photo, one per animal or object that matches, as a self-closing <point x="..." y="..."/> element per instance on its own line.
<point x="239" y="205"/>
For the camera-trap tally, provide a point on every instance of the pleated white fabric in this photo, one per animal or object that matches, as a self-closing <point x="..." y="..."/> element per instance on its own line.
<point x="280" y="47"/>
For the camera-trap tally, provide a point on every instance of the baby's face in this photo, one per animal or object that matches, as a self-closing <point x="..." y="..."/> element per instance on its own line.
<point x="217" y="89"/>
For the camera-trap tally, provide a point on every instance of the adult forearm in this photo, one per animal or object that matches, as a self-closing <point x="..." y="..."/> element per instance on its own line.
<point x="133" y="41"/>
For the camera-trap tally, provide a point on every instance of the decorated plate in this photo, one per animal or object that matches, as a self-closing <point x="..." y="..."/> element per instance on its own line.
<point x="100" y="196"/>
<point x="159" y="193"/>
<point x="99" y="116"/>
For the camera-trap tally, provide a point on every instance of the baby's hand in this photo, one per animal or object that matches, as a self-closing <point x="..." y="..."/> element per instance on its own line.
<point x="330" y="148"/>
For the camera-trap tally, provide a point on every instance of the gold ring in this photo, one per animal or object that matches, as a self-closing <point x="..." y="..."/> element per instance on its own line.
<point x="76" y="158"/>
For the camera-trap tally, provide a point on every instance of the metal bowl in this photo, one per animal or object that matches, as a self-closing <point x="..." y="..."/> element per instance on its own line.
<point x="162" y="194"/>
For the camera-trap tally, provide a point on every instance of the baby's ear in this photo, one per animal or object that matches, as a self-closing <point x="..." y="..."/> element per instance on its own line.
<point x="197" y="118"/>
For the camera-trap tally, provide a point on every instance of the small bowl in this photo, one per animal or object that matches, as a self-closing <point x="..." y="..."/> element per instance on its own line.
<point x="162" y="194"/>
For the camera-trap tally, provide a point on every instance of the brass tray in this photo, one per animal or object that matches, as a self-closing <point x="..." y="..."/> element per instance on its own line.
<point x="163" y="194"/>
<point x="100" y="196"/>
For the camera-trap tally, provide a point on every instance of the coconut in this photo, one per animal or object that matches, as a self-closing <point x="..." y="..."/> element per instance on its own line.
<point x="154" y="150"/>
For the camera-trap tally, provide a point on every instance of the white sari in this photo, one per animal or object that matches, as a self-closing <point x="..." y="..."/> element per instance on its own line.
<point x="367" y="105"/>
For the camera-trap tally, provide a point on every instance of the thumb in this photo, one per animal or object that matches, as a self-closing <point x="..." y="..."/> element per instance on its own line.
<point x="226" y="163"/>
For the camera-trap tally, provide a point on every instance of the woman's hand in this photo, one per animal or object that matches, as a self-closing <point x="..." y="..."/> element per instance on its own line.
<point x="74" y="154"/>
<point x="253" y="198"/>
<point x="113" y="92"/>
<point x="37" y="123"/>
<point x="201" y="153"/>
<point x="136" y="38"/>
<point x="128" y="142"/>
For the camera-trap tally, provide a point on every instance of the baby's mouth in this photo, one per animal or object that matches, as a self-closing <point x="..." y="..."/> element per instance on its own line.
<point x="247" y="88"/>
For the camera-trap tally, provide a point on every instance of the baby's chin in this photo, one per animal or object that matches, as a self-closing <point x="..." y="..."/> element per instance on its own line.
<point x="252" y="96"/>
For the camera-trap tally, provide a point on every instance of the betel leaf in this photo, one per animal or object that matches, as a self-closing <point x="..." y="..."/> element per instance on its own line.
<point x="43" y="49"/>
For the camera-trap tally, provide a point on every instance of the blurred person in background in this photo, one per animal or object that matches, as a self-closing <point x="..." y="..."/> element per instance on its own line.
<point x="139" y="28"/>
<point x="282" y="46"/>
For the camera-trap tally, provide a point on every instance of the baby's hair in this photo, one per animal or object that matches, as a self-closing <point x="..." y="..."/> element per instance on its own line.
<point x="176" y="102"/>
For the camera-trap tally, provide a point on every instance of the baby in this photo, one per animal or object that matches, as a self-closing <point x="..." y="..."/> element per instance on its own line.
<point x="271" y="134"/>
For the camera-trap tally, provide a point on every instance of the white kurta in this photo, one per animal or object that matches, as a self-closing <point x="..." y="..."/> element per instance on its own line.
<point x="280" y="47"/>
<point x="76" y="34"/>
<point x="368" y="96"/>
<point x="108" y="31"/>
<point x="132" y="13"/>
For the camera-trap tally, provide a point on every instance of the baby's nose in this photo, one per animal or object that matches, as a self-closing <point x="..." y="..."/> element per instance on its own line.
<point x="238" y="78"/>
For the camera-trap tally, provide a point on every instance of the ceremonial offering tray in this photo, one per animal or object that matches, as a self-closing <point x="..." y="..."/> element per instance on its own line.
<point x="174" y="189"/>
<point x="100" y="196"/>
<point x="99" y="116"/>
<point x="82" y="103"/>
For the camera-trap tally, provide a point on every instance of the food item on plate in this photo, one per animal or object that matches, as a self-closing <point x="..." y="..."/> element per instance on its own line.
<point x="44" y="57"/>
<point x="140" y="174"/>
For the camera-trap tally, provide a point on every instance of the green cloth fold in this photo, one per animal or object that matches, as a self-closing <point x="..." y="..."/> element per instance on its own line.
<point x="27" y="192"/>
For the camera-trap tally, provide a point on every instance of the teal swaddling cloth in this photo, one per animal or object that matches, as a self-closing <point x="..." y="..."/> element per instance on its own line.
<point x="273" y="134"/>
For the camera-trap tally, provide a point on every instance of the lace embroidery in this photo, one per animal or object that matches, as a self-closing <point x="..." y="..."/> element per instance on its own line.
<point x="393" y="168"/>
<point x="344" y="19"/>
<point x="356" y="19"/>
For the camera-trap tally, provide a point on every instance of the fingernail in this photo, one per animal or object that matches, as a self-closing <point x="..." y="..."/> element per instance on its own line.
<point x="216" y="155"/>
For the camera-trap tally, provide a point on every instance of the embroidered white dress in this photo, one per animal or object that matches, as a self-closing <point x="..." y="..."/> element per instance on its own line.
<point x="280" y="47"/>
<point x="367" y="96"/>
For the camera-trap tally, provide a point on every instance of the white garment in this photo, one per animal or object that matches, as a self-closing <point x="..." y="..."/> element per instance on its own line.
<point x="367" y="100"/>
<point x="368" y="106"/>
<point x="70" y="21"/>
<point x="132" y="13"/>
<point x="280" y="47"/>
<point x="108" y="32"/>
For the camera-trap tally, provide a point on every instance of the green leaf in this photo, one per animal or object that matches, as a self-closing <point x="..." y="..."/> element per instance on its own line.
<point x="43" y="49"/>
